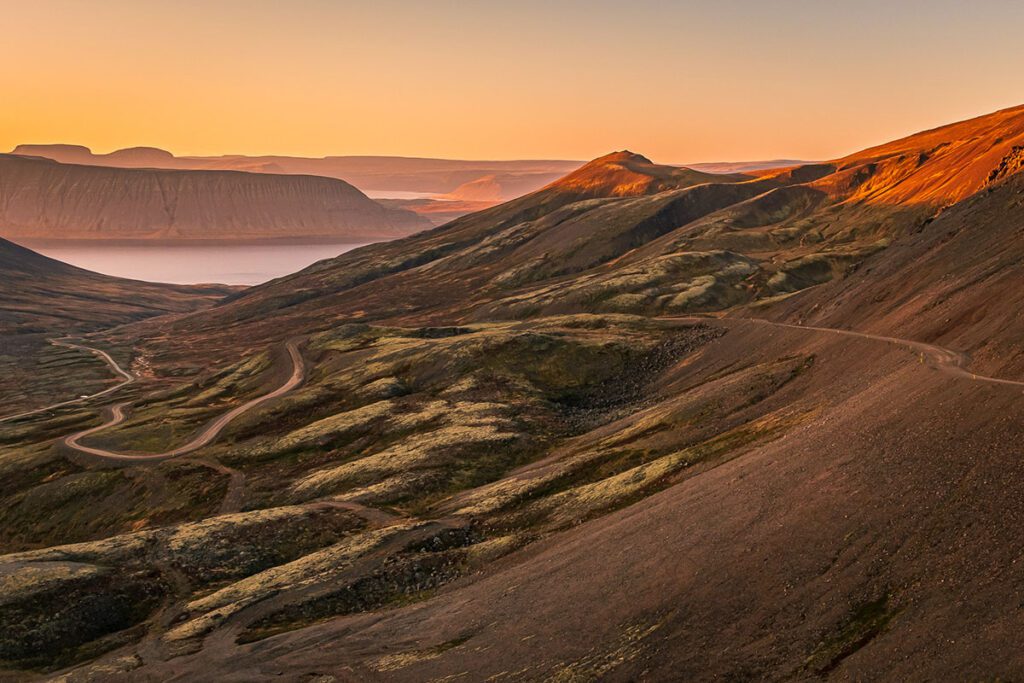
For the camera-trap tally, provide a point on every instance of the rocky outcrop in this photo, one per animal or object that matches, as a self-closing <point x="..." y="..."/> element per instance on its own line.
<point x="1012" y="163"/>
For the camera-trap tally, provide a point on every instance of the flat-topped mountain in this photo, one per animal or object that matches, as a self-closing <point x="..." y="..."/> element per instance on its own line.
<point x="494" y="188"/>
<point x="45" y="200"/>
<point x="745" y="166"/>
<point x="460" y="186"/>
<point x="132" y="157"/>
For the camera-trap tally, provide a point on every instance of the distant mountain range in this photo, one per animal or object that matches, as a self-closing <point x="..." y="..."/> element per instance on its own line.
<point x="745" y="166"/>
<point x="507" y="179"/>
<point x="473" y="184"/>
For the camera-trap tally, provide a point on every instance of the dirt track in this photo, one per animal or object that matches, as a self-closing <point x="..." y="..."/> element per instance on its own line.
<point x="948" y="361"/>
<point x="126" y="378"/>
<point x="724" y="551"/>
<point x="116" y="416"/>
<point x="671" y="546"/>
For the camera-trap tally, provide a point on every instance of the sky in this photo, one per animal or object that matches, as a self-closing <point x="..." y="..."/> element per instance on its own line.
<point x="679" y="81"/>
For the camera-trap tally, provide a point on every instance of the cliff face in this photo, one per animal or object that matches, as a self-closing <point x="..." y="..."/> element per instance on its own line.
<point x="42" y="199"/>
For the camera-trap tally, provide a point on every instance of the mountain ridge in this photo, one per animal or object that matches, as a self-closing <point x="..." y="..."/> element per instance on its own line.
<point x="622" y="235"/>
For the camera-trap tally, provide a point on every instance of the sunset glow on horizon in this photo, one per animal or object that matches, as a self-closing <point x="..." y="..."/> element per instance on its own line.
<point x="678" y="82"/>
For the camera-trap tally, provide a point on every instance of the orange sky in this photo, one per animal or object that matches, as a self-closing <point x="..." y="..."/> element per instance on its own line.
<point x="678" y="81"/>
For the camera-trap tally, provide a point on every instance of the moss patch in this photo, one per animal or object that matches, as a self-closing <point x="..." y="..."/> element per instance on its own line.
<point x="866" y="621"/>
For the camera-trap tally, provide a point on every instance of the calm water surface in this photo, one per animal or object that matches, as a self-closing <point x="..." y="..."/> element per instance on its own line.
<point x="194" y="264"/>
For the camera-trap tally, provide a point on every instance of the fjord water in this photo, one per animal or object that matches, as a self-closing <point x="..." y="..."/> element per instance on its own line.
<point x="229" y="264"/>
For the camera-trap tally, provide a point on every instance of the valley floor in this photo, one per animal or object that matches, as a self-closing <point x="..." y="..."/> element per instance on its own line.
<point x="662" y="534"/>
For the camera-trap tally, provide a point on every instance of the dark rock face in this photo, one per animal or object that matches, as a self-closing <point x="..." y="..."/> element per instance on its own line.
<point x="1012" y="163"/>
<point x="82" y="609"/>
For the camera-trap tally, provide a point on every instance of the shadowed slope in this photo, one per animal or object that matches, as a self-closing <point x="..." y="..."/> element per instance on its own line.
<point x="954" y="282"/>
<point x="42" y="298"/>
<point x="38" y="293"/>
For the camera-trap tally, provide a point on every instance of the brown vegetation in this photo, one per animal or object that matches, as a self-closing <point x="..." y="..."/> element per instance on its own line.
<point x="513" y="458"/>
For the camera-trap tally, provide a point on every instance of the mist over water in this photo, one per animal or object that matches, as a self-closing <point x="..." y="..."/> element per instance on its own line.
<point x="244" y="264"/>
<point x="399" y="194"/>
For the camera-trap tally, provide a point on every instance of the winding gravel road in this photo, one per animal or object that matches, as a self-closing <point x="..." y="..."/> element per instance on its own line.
<point x="116" y="415"/>
<point x="946" y="360"/>
<point x="126" y="378"/>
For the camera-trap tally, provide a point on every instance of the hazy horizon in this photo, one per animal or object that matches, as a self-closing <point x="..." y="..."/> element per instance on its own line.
<point x="228" y="153"/>
<point x="693" y="82"/>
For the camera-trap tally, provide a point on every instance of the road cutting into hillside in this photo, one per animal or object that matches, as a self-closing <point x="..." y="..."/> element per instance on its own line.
<point x="125" y="379"/>
<point x="116" y="415"/>
<point x="945" y="360"/>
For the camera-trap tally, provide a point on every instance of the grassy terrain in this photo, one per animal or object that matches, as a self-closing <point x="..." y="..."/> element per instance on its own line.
<point x="411" y="457"/>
